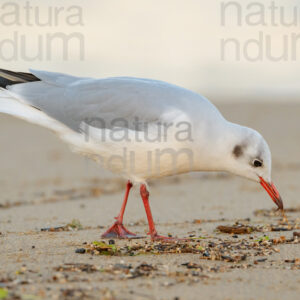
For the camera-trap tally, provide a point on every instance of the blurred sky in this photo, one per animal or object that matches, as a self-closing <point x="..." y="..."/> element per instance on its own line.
<point x="178" y="41"/>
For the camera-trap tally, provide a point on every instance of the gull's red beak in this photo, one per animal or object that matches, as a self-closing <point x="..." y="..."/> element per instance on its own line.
<point x="272" y="191"/>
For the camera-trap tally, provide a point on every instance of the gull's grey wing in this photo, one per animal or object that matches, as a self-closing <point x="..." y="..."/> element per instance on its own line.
<point x="108" y="102"/>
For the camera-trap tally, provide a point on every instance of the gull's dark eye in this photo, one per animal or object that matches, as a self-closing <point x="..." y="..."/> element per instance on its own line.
<point x="257" y="163"/>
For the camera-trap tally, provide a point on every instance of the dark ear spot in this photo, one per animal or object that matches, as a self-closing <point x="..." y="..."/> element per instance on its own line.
<point x="237" y="151"/>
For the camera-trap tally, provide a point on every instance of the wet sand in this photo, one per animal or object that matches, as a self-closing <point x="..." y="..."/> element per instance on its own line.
<point x="44" y="185"/>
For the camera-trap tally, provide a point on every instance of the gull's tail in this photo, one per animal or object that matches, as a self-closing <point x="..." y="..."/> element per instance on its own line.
<point x="11" y="106"/>
<point x="14" y="107"/>
<point x="9" y="78"/>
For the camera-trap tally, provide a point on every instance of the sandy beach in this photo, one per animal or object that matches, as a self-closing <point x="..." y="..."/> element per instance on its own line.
<point x="44" y="185"/>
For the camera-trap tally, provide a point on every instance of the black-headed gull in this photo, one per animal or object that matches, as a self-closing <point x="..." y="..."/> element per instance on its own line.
<point x="139" y="128"/>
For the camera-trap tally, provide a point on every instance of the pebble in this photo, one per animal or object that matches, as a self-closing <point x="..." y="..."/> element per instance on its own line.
<point x="80" y="250"/>
<point x="259" y="260"/>
<point x="206" y="254"/>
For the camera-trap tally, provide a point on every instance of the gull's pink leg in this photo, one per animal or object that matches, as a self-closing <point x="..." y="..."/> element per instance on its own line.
<point x="118" y="230"/>
<point x="152" y="230"/>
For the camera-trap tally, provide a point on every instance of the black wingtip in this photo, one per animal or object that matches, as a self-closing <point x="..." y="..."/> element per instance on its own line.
<point x="9" y="78"/>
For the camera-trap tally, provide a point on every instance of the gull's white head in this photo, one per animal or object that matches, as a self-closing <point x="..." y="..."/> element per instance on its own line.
<point x="250" y="157"/>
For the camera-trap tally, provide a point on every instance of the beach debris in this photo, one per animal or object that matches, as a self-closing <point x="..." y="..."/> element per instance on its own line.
<point x="296" y="234"/>
<point x="76" y="267"/>
<point x="101" y="248"/>
<point x="239" y="228"/>
<point x="227" y="250"/>
<point x="4" y="281"/>
<point x="53" y="229"/>
<point x="143" y="269"/>
<point x="80" y="250"/>
<point x="74" y="225"/>
<point x="295" y="263"/>
<point x="263" y="238"/>
<point x="191" y="265"/>
<point x="275" y="212"/>
<point x="125" y="271"/>
<point x="260" y="260"/>
<point x="280" y="228"/>
<point x="236" y="229"/>
<point x="197" y="221"/>
<point x="72" y="293"/>
<point x="121" y="267"/>
<point x="3" y="293"/>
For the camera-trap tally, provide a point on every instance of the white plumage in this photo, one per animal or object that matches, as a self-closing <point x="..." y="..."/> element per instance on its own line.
<point x="74" y="107"/>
